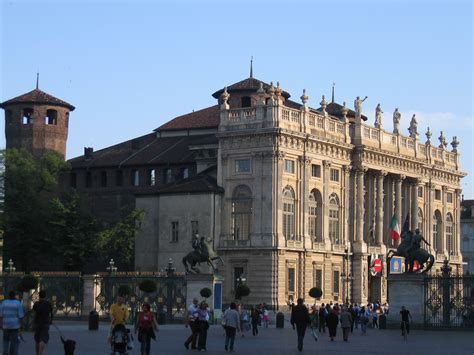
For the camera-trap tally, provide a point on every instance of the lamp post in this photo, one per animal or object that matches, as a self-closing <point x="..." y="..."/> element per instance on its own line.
<point x="10" y="267"/>
<point x="170" y="269"/>
<point x="111" y="268"/>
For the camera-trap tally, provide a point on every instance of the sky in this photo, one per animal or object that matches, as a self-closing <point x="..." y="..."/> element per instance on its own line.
<point x="130" y="66"/>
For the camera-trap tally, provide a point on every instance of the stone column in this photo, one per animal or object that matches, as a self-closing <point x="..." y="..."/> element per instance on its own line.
<point x="325" y="198"/>
<point x="379" y="208"/>
<point x="345" y="187"/>
<point x="359" y="204"/>
<point x="305" y="164"/>
<point x="398" y="200"/>
<point x="429" y="216"/>
<point x="444" y="242"/>
<point x="414" y="206"/>
<point x="457" y="221"/>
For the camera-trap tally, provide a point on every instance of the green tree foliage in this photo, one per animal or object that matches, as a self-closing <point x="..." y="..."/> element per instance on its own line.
<point x="43" y="230"/>
<point x="205" y="292"/>
<point x="28" y="186"/>
<point x="241" y="290"/>
<point x="118" y="239"/>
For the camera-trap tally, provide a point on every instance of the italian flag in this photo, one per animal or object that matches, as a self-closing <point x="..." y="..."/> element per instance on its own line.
<point x="394" y="228"/>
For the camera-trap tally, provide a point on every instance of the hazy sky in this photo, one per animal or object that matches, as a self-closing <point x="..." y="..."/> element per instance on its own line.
<point x="130" y="66"/>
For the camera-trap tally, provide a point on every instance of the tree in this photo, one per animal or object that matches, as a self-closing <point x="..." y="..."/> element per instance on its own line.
<point x="118" y="239"/>
<point x="242" y="290"/>
<point x="205" y="292"/>
<point x="315" y="293"/>
<point x="29" y="185"/>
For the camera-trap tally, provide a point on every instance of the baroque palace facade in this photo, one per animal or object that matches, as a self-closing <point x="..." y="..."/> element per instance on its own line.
<point x="292" y="197"/>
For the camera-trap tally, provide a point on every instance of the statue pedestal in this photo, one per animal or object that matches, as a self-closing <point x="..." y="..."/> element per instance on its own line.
<point x="196" y="282"/>
<point x="406" y="290"/>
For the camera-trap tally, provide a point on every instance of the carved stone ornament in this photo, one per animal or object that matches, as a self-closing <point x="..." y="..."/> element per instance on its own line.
<point x="327" y="163"/>
<point x="225" y="96"/>
<point x="305" y="160"/>
<point x="428" y="136"/>
<point x="304" y="98"/>
<point x="455" y="144"/>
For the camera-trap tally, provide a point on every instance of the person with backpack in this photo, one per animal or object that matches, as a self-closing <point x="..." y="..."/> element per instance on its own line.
<point x="231" y="323"/>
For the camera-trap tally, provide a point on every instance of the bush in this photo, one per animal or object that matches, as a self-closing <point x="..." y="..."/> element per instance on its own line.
<point x="205" y="292"/>
<point x="315" y="292"/>
<point x="242" y="291"/>
<point x="124" y="290"/>
<point x="28" y="282"/>
<point x="147" y="286"/>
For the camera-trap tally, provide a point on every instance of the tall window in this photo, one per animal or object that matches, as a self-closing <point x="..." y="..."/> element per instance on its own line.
<point x="318" y="278"/>
<point x="289" y="213"/>
<point x="449" y="197"/>
<point x="437" y="232"/>
<point x="167" y="175"/>
<point x="334" y="219"/>
<point x="151" y="177"/>
<point x="242" y="165"/>
<point x="184" y="173"/>
<point x="194" y="228"/>
<point x="312" y="207"/>
<point x="335" y="282"/>
<point x="420" y="220"/>
<point x="334" y="175"/>
<point x="289" y="166"/>
<point x="238" y="272"/>
<point x="51" y="117"/>
<point x="316" y="170"/>
<point x="135" y="177"/>
<point x="291" y="280"/>
<point x="246" y="101"/>
<point x="241" y="213"/>
<point x="174" y="232"/>
<point x="449" y="233"/>
<point x="27" y="116"/>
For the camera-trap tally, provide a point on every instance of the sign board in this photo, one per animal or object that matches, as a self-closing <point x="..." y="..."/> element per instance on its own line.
<point x="397" y="264"/>
<point x="376" y="265"/>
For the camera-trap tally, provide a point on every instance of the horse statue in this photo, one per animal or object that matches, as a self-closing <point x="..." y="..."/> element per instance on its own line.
<point x="203" y="252"/>
<point x="410" y="249"/>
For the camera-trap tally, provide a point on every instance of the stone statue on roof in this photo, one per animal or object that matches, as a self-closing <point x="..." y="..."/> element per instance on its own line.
<point x="358" y="106"/>
<point x="396" y="121"/>
<point x="378" y="116"/>
<point x="413" y="127"/>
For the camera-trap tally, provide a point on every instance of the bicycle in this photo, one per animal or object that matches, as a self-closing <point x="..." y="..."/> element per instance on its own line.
<point x="404" y="330"/>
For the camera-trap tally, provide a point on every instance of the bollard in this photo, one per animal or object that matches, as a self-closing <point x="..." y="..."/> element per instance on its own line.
<point x="280" y="320"/>
<point x="93" y="320"/>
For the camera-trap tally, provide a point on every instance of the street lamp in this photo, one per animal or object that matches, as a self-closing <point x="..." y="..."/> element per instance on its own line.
<point x="170" y="269"/>
<point x="111" y="268"/>
<point x="10" y="267"/>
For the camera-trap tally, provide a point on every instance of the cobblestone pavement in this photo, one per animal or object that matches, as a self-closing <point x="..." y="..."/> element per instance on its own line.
<point x="273" y="341"/>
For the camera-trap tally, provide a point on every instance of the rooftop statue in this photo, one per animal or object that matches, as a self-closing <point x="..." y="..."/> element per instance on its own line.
<point x="413" y="127"/>
<point x="378" y="116"/>
<point x="410" y="249"/>
<point x="203" y="252"/>
<point x="358" y="106"/>
<point x="396" y="121"/>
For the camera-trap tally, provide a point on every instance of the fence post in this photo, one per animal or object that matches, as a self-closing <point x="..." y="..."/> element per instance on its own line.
<point x="89" y="290"/>
<point x="446" y="270"/>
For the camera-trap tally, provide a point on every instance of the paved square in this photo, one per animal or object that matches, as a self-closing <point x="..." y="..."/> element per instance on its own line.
<point x="273" y="341"/>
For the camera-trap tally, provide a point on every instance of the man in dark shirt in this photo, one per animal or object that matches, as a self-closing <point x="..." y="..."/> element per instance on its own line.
<point x="43" y="317"/>
<point x="404" y="315"/>
<point x="300" y="318"/>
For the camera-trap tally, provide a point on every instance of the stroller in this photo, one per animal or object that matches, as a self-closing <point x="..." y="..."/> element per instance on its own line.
<point x="122" y="340"/>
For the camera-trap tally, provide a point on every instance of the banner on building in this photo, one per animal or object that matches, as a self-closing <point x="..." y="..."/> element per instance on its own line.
<point x="376" y="264"/>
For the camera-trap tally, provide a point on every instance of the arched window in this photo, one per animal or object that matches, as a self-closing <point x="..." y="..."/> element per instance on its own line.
<point x="27" y="117"/>
<point x="437" y="232"/>
<point x="289" y="213"/>
<point x="246" y="101"/>
<point x="449" y="234"/>
<point x="241" y="213"/>
<point x="419" y="218"/>
<point x="334" y="234"/>
<point x="51" y="117"/>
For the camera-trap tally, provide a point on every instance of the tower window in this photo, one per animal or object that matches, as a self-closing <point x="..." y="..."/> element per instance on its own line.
<point x="246" y="102"/>
<point x="184" y="173"/>
<point x="135" y="178"/>
<point x="151" y="177"/>
<point x="27" y="116"/>
<point x="168" y="175"/>
<point x="51" y="117"/>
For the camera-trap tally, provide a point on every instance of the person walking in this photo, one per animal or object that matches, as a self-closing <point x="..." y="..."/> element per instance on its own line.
<point x="353" y="313"/>
<point x="244" y="320"/>
<point x="375" y="318"/>
<point x="118" y="315"/>
<point x="231" y="325"/>
<point x="322" y="318"/>
<point x="254" y="318"/>
<point x="193" y="324"/>
<point x="300" y="318"/>
<point x="42" y="318"/>
<point x="146" y="325"/>
<point x="265" y="317"/>
<point x="332" y="322"/>
<point x="11" y="315"/>
<point x="314" y="318"/>
<point x="405" y="317"/>
<point x="364" y="319"/>
<point x="346" y="322"/>
<point x="202" y="316"/>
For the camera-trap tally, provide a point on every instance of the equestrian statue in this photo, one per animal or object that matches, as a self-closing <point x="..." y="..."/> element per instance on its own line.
<point x="203" y="252"/>
<point x="410" y="249"/>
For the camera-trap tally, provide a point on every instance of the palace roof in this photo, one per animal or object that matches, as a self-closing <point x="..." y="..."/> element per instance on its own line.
<point x="205" y="118"/>
<point x="37" y="96"/>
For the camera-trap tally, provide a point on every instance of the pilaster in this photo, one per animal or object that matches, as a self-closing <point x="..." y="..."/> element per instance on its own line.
<point x="379" y="205"/>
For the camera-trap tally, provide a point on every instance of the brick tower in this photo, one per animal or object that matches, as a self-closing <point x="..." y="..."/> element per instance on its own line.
<point x="37" y="122"/>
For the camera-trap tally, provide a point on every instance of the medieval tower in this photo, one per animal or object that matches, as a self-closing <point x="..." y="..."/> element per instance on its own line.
<point x="37" y="122"/>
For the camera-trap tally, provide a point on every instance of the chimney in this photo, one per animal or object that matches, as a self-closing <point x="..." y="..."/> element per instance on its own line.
<point x="88" y="151"/>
